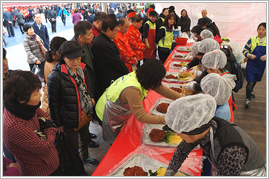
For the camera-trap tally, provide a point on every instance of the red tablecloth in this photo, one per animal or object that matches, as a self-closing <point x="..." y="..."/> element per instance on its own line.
<point x="130" y="139"/>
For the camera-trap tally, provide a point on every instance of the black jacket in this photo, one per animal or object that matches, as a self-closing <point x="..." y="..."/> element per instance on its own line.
<point x="215" y="29"/>
<point x="52" y="14"/>
<point x="185" y="23"/>
<point x="63" y="97"/>
<point x="159" y="22"/>
<point x="107" y="63"/>
<point x="230" y="58"/>
<point x="20" y="18"/>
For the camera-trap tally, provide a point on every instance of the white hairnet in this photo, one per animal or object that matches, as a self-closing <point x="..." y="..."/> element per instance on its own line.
<point x="188" y="113"/>
<point x="208" y="45"/>
<point x="194" y="48"/>
<point x="206" y="34"/>
<point x="218" y="87"/>
<point x="214" y="60"/>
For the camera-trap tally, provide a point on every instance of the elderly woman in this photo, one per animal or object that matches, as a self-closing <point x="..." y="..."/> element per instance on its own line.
<point x="125" y="95"/>
<point x="35" y="156"/>
<point x="69" y="98"/>
<point x="32" y="44"/>
<point x="231" y="150"/>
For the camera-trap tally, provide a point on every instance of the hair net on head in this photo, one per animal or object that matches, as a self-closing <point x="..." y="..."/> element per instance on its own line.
<point x="190" y="112"/>
<point x="217" y="87"/>
<point x="206" y="34"/>
<point x="214" y="60"/>
<point x="194" y="48"/>
<point x="207" y="45"/>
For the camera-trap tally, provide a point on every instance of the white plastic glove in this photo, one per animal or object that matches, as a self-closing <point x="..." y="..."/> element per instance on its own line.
<point x="189" y="86"/>
<point x="183" y="70"/>
<point x="197" y="73"/>
<point x="251" y="56"/>
<point x="263" y="58"/>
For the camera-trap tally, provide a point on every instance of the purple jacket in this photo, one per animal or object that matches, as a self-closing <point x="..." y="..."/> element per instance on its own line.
<point x="76" y="17"/>
<point x="11" y="171"/>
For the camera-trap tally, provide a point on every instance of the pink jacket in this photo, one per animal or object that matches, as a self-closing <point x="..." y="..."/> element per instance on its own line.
<point x="76" y="17"/>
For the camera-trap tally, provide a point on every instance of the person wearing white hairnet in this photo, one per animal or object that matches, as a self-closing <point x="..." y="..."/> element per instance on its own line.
<point x="220" y="89"/>
<point x="206" y="34"/>
<point x="231" y="150"/>
<point x="205" y="46"/>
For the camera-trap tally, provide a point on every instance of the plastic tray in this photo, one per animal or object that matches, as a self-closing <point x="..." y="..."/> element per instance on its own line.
<point x="176" y="85"/>
<point x="146" y="139"/>
<point x="184" y="49"/>
<point x="178" y="58"/>
<point x="173" y="67"/>
<point x="160" y="100"/>
<point x="143" y="161"/>
<point x="191" y="78"/>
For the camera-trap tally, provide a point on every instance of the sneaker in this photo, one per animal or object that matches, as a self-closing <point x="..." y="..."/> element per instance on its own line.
<point x="90" y="161"/>
<point x="247" y="103"/>
<point x="252" y="94"/>
<point x="6" y="44"/>
<point x="92" y="144"/>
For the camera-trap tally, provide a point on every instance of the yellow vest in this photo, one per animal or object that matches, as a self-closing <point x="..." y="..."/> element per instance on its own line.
<point x="151" y="25"/>
<point x="167" y="40"/>
<point x="162" y="19"/>
<point x="115" y="89"/>
<point x="255" y="41"/>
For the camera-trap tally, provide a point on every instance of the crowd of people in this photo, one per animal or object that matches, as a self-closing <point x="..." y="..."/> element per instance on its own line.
<point x="99" y="76"/>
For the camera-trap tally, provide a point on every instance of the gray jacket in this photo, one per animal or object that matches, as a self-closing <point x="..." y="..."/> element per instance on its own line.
<point x="20" y="18"/>
<point x="32" y="49"/>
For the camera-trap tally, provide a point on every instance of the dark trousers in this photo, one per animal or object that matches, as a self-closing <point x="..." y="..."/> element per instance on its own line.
<point x="21" y="28"/>
<point x="53" y="26"/>
<point x="8" y="154"/>
<point x="26" y="19"/>
<point x="13" y="23"/>
<point x="249" y="89"/>
<point x="163" y="53"/>
<point x="46" y="17"/>
<point x="79" y="139"/>
<point x="63" y="19"/>
<point x="41" y="66"/>
<point x="10" y="29"/>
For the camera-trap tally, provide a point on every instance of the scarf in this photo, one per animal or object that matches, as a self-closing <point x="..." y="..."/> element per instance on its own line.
<point x="85" y="98"/>
<point x="33" y="37"/>
<point x="23" y="111"/>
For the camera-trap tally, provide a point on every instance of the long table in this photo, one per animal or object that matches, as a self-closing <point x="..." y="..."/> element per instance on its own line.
<point x="129" y="142"/>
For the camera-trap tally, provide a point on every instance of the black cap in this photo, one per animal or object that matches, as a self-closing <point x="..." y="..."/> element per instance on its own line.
<point x="71" y="49"/>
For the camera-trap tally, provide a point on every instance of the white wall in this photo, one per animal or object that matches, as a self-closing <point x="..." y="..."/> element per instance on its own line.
<point x="236" y="21"/>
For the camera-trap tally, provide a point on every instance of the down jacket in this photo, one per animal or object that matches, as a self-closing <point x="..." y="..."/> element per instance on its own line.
<point x="63" y="95"/>
<point x="32" y="49"/>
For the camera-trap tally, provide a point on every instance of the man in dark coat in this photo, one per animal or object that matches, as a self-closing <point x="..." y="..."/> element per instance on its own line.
<point x="52" y="19"/>
<point x="8" y="22"/>
<point x="41" y="30"/>
<point x="20" y="19"/>
<point x="204" y="15"/>
<point x="205" y="23"/>
<point x="13" y="13"/>
<point x="108" y="65"/>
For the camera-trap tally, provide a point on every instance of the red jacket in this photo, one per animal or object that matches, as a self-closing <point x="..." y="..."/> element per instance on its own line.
<point x="126" y="53"/>
<point x="95" y="32"/>
<point x="34" y="156"/>
<point x="135" y="42"/>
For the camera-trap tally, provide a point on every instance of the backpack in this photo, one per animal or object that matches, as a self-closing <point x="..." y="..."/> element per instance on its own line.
<point x="236" y="69"/>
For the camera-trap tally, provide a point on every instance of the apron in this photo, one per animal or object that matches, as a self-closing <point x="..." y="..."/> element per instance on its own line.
<point x="150" y="53"/>
<point x="255" y="67"/>
<point x="114" y="118"/>
<point x="214" y="172"/>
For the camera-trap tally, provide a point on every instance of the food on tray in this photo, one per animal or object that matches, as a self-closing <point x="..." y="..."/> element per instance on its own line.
<point x="162" y="108"/>
<point x="157" y="135"/>
<point x="176" y="89"/>
<point x="179" y="55"/>
<point x="181" y="64"/>
<point x="184" y="48"/>
<point x="188" y="92"/>
<point x="134" y="171"/>
<point x="171" y="77"/>
<point x="161" y="171"/>
<point x="184" y="75"/>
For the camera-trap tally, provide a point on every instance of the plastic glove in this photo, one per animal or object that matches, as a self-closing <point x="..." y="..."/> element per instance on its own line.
<point x="189" y="86"/>
<point x="147" y="43"/>
<point x="263" y="58"/>
<point x="45" y="123"/>
<point x="251" y="56"/>
<point x="197" y="73"/>
<point x="183" y="70"/>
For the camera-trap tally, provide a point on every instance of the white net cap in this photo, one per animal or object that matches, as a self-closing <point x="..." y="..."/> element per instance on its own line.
<point x="207" y="45"/>
<point x="188" y="113"/>
<point x="218" y="87"/>
<point x="215" y="59"/>
<point x="206" y="34"/>
<point x="194" y="48"/>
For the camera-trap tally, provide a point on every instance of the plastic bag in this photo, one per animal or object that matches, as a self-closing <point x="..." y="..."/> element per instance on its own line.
<point x="70" y="162"/>
<point x="35" y="70"/>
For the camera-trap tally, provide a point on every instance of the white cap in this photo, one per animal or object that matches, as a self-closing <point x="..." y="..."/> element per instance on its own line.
<point x="215" y="59"/>
<point x="207" y="45"/>
<point x="206" y="34"/>
<point x="218" y="87"/>
<point x="188" y="113"/>
<point x="194" y="48"/>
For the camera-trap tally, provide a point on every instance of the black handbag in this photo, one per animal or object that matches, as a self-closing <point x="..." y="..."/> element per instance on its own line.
<point x="70" y="162"/>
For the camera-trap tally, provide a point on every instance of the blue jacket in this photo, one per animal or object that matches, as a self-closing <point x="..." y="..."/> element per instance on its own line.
<point x="43" y="34"/>
<point x="64" y="12"/>
<point x="7" y="16"/>
<point x="90" y="18"/>
<point x="223" y="111"/>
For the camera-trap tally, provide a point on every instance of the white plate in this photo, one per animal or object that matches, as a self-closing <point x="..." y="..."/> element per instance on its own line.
<point x="184" y="49"/>
<point x="159" y="101"/>
<point x="188" y="79"/>
<point x="174" y="67"/>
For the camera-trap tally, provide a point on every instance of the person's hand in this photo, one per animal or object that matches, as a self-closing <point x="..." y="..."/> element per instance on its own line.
<point x="251" y="56"/>
<point x="197" y="73"/>
<point x="38" y="62"/>
<point x="147" y="43"/>
<point x="93" y="102"/>
<point x="10" y="22"/>
<point x="189" y="86"/>
<point x="263" y="58"/>
<point x="60" y="129"/>
<point x="11" y="164"/>
<point x="45" y="123"/>
<point x="183" y="70"/>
